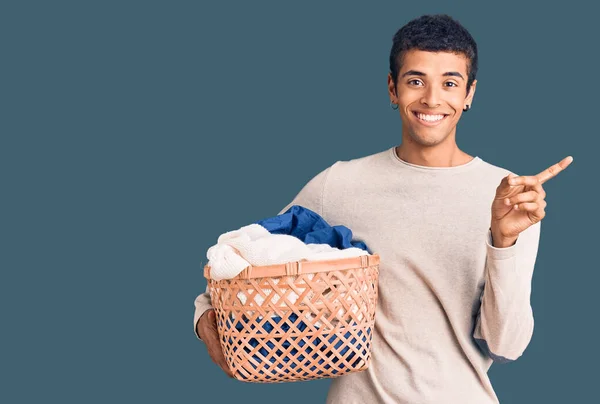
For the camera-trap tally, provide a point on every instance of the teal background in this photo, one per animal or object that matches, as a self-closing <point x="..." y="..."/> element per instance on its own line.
<point x="134" y="133"/>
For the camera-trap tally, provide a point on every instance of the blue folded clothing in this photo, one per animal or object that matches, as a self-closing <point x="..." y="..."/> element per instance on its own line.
<point x="334" y="348"/>
<point x="311" y="228"/>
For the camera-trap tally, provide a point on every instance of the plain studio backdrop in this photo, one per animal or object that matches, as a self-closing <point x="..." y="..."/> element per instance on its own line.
<point x="133" y="134"/>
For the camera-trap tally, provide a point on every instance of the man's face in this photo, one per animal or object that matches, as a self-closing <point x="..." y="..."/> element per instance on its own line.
<point x="433" y="84"/>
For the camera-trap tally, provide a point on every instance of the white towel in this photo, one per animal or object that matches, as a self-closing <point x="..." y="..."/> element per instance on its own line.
<point x="255" y="245"/>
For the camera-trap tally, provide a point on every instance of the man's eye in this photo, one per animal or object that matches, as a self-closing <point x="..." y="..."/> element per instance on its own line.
<point x="412" y="81"/>
<point x="453" y="84"/>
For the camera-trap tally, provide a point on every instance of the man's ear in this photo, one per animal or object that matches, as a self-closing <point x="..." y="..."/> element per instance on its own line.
<point x="469" y="99"/>
<point x="391" y="87"/>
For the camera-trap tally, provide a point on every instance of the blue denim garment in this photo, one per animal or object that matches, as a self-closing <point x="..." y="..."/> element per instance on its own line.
<point x="311" y="228"/>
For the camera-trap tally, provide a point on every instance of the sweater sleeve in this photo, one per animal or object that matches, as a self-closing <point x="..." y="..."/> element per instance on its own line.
<point x="504" y="323"/>
<point x="310" y="196"/>
<point x="202" y="303"/>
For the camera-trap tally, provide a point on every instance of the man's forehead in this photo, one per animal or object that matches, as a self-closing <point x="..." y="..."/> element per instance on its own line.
<point x="434" y="63"/>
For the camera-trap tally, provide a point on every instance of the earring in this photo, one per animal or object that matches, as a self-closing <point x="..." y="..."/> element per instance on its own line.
<point x="467" y="108"/>
<point x="392" y="106"/>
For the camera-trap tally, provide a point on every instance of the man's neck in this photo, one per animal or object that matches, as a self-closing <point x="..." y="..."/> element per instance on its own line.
<point x="432" y="157"/>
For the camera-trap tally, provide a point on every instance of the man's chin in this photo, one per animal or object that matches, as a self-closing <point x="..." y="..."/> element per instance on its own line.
<point x="427" y="141"/>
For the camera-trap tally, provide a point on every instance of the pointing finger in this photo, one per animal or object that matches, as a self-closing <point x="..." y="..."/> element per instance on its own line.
<point x="553" y="170"/>
<point x="544" y="176"/>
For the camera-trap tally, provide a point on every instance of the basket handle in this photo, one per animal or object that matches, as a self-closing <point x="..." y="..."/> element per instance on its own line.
<point x="295" y="268"/>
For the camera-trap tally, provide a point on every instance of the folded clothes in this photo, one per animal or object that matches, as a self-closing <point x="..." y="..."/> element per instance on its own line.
<point x="298" y="234"/>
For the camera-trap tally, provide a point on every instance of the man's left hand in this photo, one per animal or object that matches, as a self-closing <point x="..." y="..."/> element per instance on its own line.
<point x="519" y="203"/>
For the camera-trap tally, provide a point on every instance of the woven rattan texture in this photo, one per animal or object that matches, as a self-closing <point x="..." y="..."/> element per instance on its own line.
<point x="311" y="325"/>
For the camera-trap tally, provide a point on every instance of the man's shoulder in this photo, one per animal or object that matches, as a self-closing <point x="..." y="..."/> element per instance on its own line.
<point x="360" y="163"/>
<point x="494" y="171"/>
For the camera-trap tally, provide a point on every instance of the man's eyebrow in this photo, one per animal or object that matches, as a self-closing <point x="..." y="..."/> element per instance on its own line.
<point x="418" y="73"/>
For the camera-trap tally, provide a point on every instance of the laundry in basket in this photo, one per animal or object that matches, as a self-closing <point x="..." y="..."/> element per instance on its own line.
<point x="311" y="228"/>
<point x="297" y="234"/>
<point x="300" y="319"/>
<point x="325" y="351"/>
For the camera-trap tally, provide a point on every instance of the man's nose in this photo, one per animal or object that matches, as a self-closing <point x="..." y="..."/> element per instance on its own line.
<point x="431" y="98"/>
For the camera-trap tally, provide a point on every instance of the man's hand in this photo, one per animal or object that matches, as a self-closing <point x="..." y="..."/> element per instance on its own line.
<point x="519" y="203"/>
<point x="207" y="329"/>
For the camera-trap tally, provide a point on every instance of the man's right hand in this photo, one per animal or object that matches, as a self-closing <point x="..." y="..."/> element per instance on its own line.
<point x="207" y="330"/>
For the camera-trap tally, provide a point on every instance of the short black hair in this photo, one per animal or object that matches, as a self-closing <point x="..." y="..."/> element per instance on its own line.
<point x="434" y="33"/>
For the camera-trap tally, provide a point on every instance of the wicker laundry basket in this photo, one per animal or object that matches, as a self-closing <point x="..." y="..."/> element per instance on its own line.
<point x="300" y="320"/>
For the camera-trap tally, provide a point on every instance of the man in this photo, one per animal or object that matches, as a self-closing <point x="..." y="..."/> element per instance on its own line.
<point x="457" y="241"/>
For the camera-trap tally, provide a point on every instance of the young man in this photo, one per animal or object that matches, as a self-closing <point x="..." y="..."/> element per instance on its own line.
<point x="457" y="241"/>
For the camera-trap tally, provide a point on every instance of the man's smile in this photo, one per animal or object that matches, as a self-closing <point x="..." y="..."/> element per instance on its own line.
<point x="429" y="119"/>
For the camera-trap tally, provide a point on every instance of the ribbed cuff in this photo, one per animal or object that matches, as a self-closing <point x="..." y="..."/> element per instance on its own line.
<point x="197" y="320"/>
<point x="496" y="253"/>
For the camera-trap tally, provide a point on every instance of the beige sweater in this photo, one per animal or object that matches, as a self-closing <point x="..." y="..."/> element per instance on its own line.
<point x="450" y="304"/>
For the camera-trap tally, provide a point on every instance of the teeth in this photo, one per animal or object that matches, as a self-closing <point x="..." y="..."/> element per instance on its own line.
<point x="430" y="118"/>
